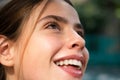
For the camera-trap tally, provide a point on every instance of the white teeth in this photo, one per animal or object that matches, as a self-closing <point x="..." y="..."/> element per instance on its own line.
<point x="69" y="62"/>
<point x="61" y="63"/>
<point x="66" y="62"/>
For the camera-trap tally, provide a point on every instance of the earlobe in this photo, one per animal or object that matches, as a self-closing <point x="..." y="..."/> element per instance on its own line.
<point x="6" y="57"/>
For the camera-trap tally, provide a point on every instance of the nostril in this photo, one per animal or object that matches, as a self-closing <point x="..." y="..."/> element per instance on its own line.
<point x="74" y="45"/>
<point x="77" y="46"/>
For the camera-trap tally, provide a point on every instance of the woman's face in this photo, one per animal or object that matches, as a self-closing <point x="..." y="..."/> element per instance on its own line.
<point x="56" y="49"/>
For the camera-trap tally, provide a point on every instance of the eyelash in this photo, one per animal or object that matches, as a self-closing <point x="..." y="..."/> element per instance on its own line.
<point x="53" y="25"/>
<point x="81" y="33"/>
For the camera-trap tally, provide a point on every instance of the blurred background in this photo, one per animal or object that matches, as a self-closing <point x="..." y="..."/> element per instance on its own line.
<point x="101" y="20"/>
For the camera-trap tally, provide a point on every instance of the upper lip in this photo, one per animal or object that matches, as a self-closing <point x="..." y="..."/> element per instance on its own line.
<point x="77" y="57"/>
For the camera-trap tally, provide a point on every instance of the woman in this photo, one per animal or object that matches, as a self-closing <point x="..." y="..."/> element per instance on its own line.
<point x="41" y="40"/>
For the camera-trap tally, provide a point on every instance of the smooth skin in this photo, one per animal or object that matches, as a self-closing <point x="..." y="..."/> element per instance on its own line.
<point x="53" y="39"/>
<point x="58" y="33"/>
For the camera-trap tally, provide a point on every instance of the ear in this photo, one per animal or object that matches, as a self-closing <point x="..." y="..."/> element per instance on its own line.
<point x="6" y="53"/>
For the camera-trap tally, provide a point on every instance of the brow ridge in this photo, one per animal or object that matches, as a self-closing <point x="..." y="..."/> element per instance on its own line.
<point x="57" y="18"/>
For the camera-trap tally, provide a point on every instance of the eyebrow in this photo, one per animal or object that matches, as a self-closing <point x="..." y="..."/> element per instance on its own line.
<point x="57" y="18"/>
<point x="79" y="26"/>
<point x="63" y="20"/>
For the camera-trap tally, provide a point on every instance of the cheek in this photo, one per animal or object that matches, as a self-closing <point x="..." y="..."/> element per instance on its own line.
<point x="38" y="55"/>
<point x="86" y="55"/>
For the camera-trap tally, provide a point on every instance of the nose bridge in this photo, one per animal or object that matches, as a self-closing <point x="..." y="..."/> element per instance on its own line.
<point x="74" y="40"/>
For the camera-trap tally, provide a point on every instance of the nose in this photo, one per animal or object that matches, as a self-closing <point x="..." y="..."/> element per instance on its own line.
<point x="75" y="41"/>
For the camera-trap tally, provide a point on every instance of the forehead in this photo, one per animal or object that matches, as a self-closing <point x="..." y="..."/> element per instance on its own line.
<point x="62" y="9"/>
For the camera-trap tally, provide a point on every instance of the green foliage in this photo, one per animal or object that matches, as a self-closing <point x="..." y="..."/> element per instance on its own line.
<point x="95" y="14"/>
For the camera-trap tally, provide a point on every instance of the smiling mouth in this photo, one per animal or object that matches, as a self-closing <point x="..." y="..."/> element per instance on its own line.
<point x="72" y="66"/>
<point x="71" y="62"/>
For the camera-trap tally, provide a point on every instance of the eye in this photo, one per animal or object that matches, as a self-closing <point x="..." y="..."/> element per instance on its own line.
<point x="81" y="33"/>
<point x="53" y="26"/>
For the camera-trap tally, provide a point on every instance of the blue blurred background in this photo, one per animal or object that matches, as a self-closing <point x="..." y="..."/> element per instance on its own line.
<point x="101" y="20"/>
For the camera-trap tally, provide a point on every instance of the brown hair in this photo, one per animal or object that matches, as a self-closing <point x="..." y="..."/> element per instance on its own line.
<point x="11" y="18"/>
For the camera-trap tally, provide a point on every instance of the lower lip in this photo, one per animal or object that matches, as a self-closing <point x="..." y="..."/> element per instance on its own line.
<point x="72" y="71"/>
